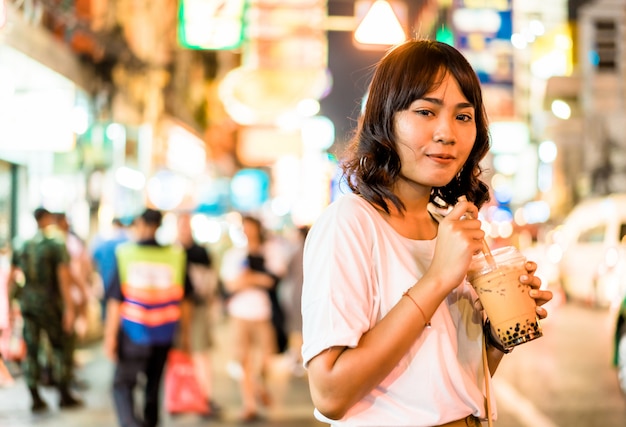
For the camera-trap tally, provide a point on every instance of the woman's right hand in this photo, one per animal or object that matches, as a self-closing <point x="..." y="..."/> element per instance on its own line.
<point x="458" y="239"/>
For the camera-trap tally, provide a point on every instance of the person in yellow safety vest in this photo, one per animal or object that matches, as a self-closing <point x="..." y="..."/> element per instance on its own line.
<point x="148" y="299"/>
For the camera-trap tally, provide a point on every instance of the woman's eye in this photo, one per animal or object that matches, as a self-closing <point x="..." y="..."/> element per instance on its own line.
<point x="423" y="112"/>
<point x="464" y="117"/>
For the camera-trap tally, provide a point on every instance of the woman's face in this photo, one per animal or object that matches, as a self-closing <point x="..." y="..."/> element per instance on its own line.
<point x="435" y="135"/>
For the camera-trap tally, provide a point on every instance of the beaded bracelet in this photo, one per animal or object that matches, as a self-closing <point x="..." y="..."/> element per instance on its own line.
<point x="406" y="294"/>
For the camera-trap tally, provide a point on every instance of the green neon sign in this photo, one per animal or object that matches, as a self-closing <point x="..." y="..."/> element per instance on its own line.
<point x="211" y="24"/>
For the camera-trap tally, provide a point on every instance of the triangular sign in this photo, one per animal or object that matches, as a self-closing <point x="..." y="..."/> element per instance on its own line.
<point x="380" y="26"/>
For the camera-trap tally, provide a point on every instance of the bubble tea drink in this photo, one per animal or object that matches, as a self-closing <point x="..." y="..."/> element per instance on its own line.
<point x="506" y="301"/>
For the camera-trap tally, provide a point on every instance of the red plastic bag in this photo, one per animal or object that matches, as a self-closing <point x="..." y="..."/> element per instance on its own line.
<point x="182" y="392"/>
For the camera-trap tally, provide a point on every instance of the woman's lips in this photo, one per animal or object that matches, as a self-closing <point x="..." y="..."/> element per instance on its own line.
<point x="441" y="158"/>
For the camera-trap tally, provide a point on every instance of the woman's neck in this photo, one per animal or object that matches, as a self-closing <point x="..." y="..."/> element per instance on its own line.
<point x="414" y="222"/>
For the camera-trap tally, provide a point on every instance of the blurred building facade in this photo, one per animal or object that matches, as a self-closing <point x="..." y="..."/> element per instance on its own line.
<point x="109" y="105"/>
<point x="98" y="101"/>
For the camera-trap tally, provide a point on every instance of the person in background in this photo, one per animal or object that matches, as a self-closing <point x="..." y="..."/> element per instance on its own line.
<point x="103" y="255"/>
<point x="81" y="273"/>
<point x="393" y="332"/>
<point x="46" y="306"/>
<point x="204" y="280"/>
<point x="250" y="276"/>
<point x="148" y="300"/>
<point x="81" y="267"/>
<point x="6" y="379"/>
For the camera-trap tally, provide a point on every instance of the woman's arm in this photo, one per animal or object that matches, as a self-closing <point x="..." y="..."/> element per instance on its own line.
<point x="340" y="376"/>
<point x="237" y="275"/>
<point x="249" y="279"/>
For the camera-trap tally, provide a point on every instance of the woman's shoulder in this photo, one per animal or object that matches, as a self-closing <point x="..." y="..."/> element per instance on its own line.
<point x="348" y="212"/>
<point x="351" y="204"/>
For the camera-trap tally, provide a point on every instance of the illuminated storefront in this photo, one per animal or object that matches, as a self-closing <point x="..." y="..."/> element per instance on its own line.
<point x="44" y="110"/>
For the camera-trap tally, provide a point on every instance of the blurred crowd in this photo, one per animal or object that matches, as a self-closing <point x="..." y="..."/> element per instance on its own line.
<point x="150" y="304"/>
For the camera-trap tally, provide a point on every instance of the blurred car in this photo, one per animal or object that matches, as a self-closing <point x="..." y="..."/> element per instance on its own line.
<point x="592" y="265"/>
<point x="589" y="250"/>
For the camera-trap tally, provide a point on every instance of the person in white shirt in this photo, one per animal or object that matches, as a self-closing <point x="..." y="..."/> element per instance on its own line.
<point x="392" y="331"/>
<point x="250" y="274"/>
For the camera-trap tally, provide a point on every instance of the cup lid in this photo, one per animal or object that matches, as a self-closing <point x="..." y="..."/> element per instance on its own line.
<point x="503" y="255"/>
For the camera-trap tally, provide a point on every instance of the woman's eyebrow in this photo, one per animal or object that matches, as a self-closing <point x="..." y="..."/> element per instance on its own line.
<point x="438" y="101"/>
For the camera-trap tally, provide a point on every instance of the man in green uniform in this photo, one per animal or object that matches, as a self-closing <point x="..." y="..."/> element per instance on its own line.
<point x="46" y="306"/>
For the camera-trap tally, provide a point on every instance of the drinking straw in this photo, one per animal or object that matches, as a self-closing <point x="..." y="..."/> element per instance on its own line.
<point x="488" y="256"/>
<point x="486" y="251"/>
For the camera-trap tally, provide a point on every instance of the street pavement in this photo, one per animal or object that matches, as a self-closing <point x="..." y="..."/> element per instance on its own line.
<point x="291" y="405"/>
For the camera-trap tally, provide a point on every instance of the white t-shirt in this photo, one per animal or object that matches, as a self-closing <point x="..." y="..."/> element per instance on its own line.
<point x="251" y="303"/>
<point x="356" y="267"/>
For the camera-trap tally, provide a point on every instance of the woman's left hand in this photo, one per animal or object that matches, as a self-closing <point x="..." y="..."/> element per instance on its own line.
<point x="541" y="296"/>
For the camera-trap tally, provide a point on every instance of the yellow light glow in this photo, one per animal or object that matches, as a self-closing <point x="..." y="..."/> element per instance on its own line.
<point x="380" y="26"/>
<point x="260" y="96"/>
<point x="308" y="107"/>
<point x="561" y="109"/>
<point x="205" y="229"/>
<point x="318" y="132"/>
<point x="547" y="151"/>
<point x="554" y="63"/>
<point x="562" y="42"/>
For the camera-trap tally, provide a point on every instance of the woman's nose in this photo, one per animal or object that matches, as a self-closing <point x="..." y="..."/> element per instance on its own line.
<point x="443" y="132"/>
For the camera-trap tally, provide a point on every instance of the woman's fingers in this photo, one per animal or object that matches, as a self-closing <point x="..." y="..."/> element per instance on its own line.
<point x="541" y="297"/>
<point x="530" y="267"/>
<point x="463" y="209"/>
<point x="541" y="312"/>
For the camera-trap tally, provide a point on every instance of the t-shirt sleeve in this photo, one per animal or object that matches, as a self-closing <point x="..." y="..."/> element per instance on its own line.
<point x="114" y="290"/>
<point x="338" y="288"/>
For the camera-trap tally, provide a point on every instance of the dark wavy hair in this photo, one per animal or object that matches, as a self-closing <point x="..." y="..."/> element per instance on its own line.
<point x="407" y="73"/>
<point x="256" y="223"/>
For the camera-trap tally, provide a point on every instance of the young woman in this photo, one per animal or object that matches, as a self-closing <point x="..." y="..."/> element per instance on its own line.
<point x="250" y="275"/>
<point x="393" y="332"/>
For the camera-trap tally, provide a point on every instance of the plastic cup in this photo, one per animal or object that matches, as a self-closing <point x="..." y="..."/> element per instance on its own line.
<point x="505" y="299"/>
